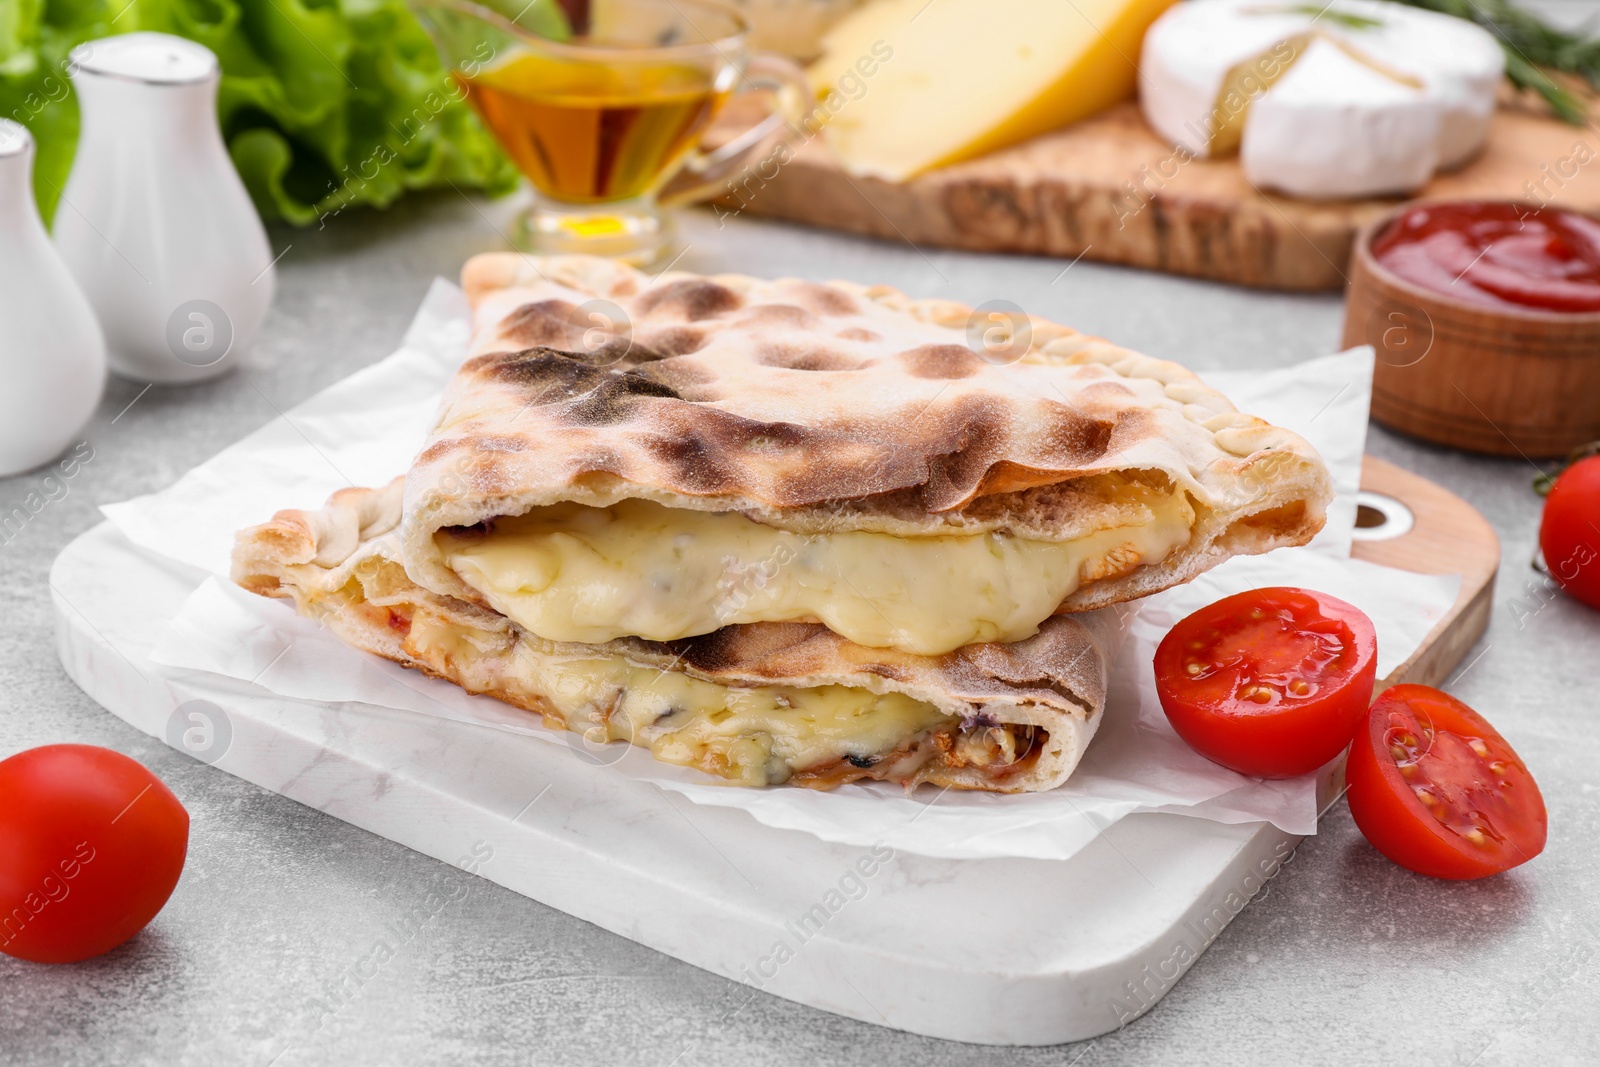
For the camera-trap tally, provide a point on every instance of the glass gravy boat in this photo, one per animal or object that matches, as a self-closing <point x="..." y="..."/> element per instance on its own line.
<point x="602" y="105"/>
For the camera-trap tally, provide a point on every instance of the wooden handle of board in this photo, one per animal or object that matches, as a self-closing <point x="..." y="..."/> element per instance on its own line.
<point x="1449" y="537"/>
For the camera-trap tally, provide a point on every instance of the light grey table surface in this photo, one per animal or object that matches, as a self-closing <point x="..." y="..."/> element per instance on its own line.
<point x="1343" y="957"/>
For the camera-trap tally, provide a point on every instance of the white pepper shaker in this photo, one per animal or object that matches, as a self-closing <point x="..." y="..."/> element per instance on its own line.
<point x="52" y="358"/>
<point x="154" y="221"/>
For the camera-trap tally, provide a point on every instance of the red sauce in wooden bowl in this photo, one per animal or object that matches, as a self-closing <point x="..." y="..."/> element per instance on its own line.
<point x="1497" y="254"/>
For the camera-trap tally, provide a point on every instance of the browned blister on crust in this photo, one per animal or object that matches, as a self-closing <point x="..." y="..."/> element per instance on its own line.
<point x="342" y="566"/>
<point x="822" y="408"/>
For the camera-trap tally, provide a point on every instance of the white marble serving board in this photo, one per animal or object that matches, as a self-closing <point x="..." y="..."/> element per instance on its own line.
<point x="996" y="951"/>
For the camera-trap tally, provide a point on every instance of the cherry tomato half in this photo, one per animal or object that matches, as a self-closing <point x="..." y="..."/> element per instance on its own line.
<point x="1569" y="533"/>
<point x="1437" y="790"/>
<point x="91" y="846"/>
<point x="1270" y="683"/>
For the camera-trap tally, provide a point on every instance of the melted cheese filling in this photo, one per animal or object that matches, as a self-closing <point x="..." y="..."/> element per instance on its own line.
<point x="570" y="572"/>
<point x="752" y="736"/>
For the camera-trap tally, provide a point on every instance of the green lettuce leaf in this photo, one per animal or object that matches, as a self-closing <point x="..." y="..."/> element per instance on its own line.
<point x="324" y="104"/>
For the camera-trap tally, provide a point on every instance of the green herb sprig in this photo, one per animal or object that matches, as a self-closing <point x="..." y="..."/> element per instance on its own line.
<point x="1532" y="48"/>
<point x="1321" y="12"/>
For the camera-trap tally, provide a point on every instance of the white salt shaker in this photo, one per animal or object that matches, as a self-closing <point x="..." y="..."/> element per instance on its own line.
<point x="52" y="358"/>
<point x="154" y="221"/>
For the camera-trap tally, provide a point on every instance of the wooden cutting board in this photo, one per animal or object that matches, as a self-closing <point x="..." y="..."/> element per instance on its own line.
<point x="1110" y="190"/>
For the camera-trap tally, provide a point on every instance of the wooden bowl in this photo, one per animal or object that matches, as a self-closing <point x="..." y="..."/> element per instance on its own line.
<point x="1501" y="381"/>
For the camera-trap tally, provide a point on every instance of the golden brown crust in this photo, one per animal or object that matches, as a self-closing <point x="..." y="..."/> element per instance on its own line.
<point x="819" y="408"/>
<point x="1054" y="681"/>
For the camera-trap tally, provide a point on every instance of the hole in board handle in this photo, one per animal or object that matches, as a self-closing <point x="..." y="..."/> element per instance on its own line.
<point x="1381" y="518"/>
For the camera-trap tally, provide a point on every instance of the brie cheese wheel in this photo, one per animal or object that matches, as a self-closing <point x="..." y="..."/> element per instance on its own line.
<point x="1369" y="134"/>
<point x="911" y="85"/>
<point x="1388" y="93"/>
<point x="1459" y="63"/>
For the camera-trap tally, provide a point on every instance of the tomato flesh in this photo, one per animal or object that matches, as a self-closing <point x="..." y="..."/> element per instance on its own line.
<point x="1569" y="533"/>
<point x="1437" y="790"/>
<point x="91" y="847"/>
<point x="1271" y="683"/>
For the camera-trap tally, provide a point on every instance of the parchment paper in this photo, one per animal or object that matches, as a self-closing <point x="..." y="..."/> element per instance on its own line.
<point x="365" y="429"/>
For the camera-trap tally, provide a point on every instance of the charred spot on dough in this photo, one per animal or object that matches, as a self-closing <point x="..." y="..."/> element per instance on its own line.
<point x="858" y="333"/>
<point x="710" y="653"/>
<point x="487" y="365"/>
<point x="614" y="396"/>
<point x="674" y="341"/>
<point x="788" y="316"/>
<point x="613" y="351"/>
<point x="977" y="433"/>
<point x="765" y="437"/>
<point x="1128" y="427"/>
<point x="546" y="322"/>
<point x="442" y="448"/>
<point x="771" y="651"/>
<point x="598" y="395"/>
<point x="690" y="299"/>
<point x="685" y="377"/>
<point x="941" y="362"/>
<point x="706" y="447"/>
<point x="694" y="457"/>
<point x="821" y="476"/>
<point x="1075" y="439"/>
<point x="546" y="372"/>
<point x="822" y="299"/>
<point x="788" y="356"/>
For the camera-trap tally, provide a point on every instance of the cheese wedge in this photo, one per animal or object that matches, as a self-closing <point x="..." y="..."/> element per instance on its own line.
<point x="1355" y="98"/>
<point x="966" y="77"/>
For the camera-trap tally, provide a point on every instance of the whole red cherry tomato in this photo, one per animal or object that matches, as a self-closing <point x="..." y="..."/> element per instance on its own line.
<point x="1569" y="533"/>
<point x="1270" y="683"/>
<point x="1437" y="790"/>
<point x="91" y="846"/>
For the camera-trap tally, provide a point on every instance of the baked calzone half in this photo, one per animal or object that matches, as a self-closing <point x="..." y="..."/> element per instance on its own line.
<point x="784" y="531"/>
<point x="732" y="451"/>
